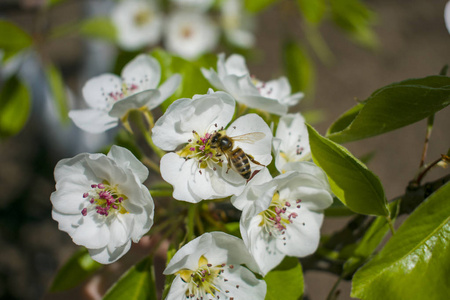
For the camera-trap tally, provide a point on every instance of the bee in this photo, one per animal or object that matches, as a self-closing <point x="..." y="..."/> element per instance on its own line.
<point x="237" y="158"/>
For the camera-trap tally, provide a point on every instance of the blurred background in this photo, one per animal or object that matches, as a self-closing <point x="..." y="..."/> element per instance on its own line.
<point x="409" y="40"/>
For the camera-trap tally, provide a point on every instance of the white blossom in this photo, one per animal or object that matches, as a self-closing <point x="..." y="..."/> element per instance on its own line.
<point x="283" y="216"/>
<point x="233" y="77"/>
<point x="190" y="34"/>
<point x="211" y="267"/>
<point x="237" y="25"/>
<point x="291" y="141"/>
<point x="101" y="203"/>
<point x="138" y="23"/>
<point x="197" y="170"/>
<point x="111" y="97"/>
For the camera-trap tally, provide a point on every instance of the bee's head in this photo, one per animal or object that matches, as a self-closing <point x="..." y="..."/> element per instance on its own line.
<point x="215" y="139"/>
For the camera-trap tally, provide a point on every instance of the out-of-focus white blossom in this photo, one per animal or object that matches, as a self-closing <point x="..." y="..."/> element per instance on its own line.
<point x="237" y="24"/>
<point x="138" y="23"/>
<point x="190" y="34"/>
<point x="198" y="5"/>
<point x="447" y="16"/>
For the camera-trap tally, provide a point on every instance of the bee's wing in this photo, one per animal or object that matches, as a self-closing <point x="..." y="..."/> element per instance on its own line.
<point x="249" y="138"/>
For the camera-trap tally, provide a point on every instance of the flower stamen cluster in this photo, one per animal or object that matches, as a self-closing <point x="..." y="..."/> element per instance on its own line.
<point x="275" y="218"/>
<point x="105" y="199"/>
<point x="204" y="279"/>
<point x="199" y="148"/>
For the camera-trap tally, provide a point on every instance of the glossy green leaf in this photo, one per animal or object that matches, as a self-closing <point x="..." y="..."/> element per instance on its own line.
<point x="312" y="10"/>
<point x="255" y="6"/>
<point x="299" y="67"/>
<point x="12" y="39"/>
<point x="78" y="268"/>
<point x="15" y="107"/>
<point x="58" y="90"/>
<point x="285" y="281"/>
<point x="192" y="82"/>
<point x="350" y="180"/>
<point x="415" y="262"/>
<point x="338" y="209"/>
<point x="354" y="18"/>
<point x="99" y="27"/>
<point x="392" y="107"/>
<point x="370" y="241"/>
<point x="138" y="283"/>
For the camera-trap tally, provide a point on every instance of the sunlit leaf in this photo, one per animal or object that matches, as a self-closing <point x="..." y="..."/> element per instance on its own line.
<point x="99" y="27"/>
<point x="355" y="185"/>
<point x="58" y="91"/>
<point x="285" y="281"/>
<point x="299" y="67"/>
<point x="415" y="262"/>
<point x="392" y="107"/>
<point x="12" y="39"/>
<point x="138" y="283"/>
<point x="15" y="107"/>
<point x="78" y="268"/>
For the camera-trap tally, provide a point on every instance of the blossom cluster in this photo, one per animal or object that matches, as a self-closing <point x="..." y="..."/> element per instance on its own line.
<point x="188" y="30"/>
<point x="210" y="152"/>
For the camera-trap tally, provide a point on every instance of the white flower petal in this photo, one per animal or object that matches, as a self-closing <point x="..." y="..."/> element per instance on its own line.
<point x="166" y="90"/>
<point x="267" y="104"/>
<point x="91" y="232"/>
<point x="303" y="235"/>
<point x="241" y="284"/>
<point x="135" y="101"/>
<point x="98" y="91"/>
<point x="125" y="159"/>
<point x="235" y="65"/>
<point x="143" y="71"/>
<point x="213" y="78"/>
<point x="176" y="171"/>
<point x="177" y="289"/>
<point x="93" y="120"/>
<point x="104" y="256"/>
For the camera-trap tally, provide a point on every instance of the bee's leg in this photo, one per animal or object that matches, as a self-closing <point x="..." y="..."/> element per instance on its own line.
<point x="253" y="175"/>
<point x="253" y="160"/>
<point x="228" y="165"/>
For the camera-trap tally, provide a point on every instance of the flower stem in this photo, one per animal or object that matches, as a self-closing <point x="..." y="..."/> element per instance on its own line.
<point x="333" y="294"/>
<point x="148" y="137"/>
<point x="430" y="122"/>
<point x="391" y="225"/>
<point x="151" y="164"/>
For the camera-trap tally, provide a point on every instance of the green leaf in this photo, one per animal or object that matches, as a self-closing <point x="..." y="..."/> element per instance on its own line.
<point x="137" y="283"/>
<point x="58" y="90"/>
<point x="99" y="27"/>
<point x="370" y="241"/>
<point x="353" y="17"/>
<point x="392" y="107"/>
<point x="312" y="10"/>
<point x="350" y="180"/>
<point x="12" y="39"/>
<point x="192" y="82"/>
<point x="299" y="67"/>
<point x="254" y="6"/>
<point x="415" y="262"/>
<point x="15" y="107"/>
<point x="338" y="209"/>
<point x="78" y="268"/>
<point x="285" y="281"/>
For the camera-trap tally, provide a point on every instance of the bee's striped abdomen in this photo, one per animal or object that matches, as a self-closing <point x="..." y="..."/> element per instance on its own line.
<point x="240" y="162"/>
